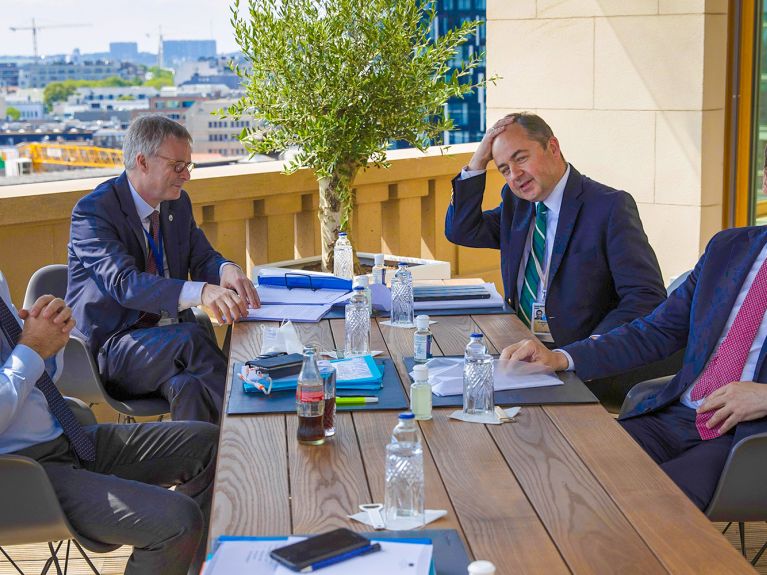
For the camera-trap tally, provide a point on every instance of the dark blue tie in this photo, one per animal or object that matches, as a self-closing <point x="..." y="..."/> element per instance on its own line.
<point x="80" y="442"/>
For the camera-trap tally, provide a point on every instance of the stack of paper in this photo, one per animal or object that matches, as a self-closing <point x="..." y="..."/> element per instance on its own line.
<point x="250" y="556"/>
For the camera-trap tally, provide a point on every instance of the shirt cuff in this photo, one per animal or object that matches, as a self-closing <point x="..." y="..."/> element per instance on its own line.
<point x="570" y="364"/>
<point x="25" y="362"/>
<point x="191" y="295"/>
<point x="223" y="265"/>
<point x="466" y="173"/>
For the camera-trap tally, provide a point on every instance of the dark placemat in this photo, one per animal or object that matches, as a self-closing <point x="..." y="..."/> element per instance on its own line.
<point x="338" y="312"/>
<point x="573" y="391"/>
<point x="449" y="553"/>
<point x="390" y="396"/>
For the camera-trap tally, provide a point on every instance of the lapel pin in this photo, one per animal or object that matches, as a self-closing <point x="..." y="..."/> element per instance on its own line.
<point x="170" y="217"/>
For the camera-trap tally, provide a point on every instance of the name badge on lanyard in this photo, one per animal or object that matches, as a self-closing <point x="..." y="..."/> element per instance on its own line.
<point x="157" y="252"/>
<point x="539" y="323"/>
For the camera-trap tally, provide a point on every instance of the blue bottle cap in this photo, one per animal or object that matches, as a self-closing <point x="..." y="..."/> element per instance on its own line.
<point x="401" y="264"/>
<point x="341" y="234"/>
<point x="407" y="415"/>
<point x="477" y="335"/>
<point x="359" y="288"/>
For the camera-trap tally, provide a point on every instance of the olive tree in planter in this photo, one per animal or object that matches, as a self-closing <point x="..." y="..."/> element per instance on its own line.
<point x="337" y="80"/>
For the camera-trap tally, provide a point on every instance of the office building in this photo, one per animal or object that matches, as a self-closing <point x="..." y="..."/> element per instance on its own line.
<point x="123" y="51"/>
<point x="41" y="74"/>
<point x="176" y="51"/>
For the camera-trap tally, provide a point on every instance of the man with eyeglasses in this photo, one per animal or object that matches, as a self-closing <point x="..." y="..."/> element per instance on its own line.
<point x="138" y="263"/>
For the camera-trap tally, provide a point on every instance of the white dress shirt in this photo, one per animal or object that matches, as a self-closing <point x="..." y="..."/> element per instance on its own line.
<point x="191" y="292"/>
<point x="25" y="418"/>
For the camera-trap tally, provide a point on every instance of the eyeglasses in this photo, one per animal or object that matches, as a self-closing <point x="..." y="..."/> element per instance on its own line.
<point x="178" y="165"/>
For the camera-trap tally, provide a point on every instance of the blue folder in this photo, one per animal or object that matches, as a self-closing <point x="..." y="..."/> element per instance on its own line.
<point x="307" y="281"/>
<point x="372" y="383"/>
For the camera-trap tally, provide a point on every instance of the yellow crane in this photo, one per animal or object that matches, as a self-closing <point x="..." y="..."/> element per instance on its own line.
<point x="73" y="155"/>
<point x="34" y="27"/>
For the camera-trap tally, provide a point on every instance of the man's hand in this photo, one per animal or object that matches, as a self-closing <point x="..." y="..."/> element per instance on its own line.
<point x="484" y="152"/>
<point x="533" y="351"/>
<point x="233" y="278"/>
<point x="46" y="325"/>
<point x="735" y="402"/>
<point x="224" y="303"/>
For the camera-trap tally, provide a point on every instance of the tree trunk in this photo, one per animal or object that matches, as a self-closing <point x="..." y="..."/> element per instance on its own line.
<point x="335" y="211"/>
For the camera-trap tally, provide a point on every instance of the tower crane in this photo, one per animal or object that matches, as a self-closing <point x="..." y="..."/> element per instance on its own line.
<point x="34" y="27"/>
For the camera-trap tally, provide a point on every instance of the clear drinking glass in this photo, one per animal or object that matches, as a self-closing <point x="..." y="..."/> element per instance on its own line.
<point x="478" y="395"/>
<point x="328" y="373"/>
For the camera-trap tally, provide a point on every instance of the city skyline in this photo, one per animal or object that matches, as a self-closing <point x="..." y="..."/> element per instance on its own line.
<point x="115" y="21"/>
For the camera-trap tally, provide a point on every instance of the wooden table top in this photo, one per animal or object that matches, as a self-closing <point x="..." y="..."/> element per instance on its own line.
<point x="563" y="489"/>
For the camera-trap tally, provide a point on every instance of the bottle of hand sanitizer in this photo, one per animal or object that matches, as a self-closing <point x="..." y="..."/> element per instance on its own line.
<point x="379" y="270"/>
<point x="420" y="393"/>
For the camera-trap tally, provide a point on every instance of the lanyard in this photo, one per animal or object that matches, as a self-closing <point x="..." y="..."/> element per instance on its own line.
<point x="157" y="251"/>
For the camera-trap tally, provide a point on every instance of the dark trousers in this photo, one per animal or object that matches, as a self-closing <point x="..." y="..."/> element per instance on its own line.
<point x="122" y="497"/>
<point x="669" y="436"/>
<point x="181" y="362"/>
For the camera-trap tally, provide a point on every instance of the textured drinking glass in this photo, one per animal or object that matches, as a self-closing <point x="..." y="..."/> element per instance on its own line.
<point x="478" y="396"/>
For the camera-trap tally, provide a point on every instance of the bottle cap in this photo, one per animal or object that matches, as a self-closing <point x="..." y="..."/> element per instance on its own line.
<point x="422" y="321"/>
<point x="341" y="234"/>
<point x="475" y="334"/>
<point x="402" y="264"/>
<point x="481" y="568"/>
<point x="358" y="288"/>
<point x="407" y="415"/>
<point x="378" y="259"/>
<point x="363" y="281"/>
<point x="421" y="372"/>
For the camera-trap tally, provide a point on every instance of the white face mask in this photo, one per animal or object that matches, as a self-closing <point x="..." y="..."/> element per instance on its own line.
<point x="280" y="339"/>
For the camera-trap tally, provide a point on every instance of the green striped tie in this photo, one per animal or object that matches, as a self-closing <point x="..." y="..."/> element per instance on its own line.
<point x="534" y="267"/>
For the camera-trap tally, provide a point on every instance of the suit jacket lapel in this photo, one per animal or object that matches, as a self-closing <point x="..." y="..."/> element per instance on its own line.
<point x="568" y="215"/>
<point x="170" y="239"/>
<point x="128" y="207"/>
<point x="520" y="228"/>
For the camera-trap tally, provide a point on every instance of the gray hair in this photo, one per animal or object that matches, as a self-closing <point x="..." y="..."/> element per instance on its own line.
<point x="147" y="133"/>
<point x="535" y="126"/>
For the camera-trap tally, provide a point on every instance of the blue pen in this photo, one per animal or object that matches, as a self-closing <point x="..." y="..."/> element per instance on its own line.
<point x="342" y="557"/>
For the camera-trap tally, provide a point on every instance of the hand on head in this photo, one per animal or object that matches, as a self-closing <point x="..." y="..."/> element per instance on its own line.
<point x="47" y="325"/>
<point x="484" y="152"/>
<point x="533" y="351"/>
<point x="735" y="402"/>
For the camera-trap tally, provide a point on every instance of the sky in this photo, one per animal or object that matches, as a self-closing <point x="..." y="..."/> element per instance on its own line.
<point x="112" y="21"/>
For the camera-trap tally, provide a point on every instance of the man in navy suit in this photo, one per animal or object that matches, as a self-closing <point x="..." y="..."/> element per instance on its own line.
<point x="718" y="396"/>
<point x="572" y="249"/>
<point x="134" y="246"/>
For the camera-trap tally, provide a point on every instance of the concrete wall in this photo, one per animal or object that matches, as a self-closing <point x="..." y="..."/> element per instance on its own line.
<point x="635" y="91"/>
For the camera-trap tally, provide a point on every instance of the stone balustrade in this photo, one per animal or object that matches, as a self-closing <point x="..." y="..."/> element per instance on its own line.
<point x="254" y="214"/>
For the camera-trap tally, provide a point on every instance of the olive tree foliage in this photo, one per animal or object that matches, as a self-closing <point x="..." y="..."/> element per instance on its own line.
<point x="337" y="80"/>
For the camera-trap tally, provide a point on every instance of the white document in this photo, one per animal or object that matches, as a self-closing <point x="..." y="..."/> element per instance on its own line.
<point x="298" y="296"/>
<point x="296" y="313"/>
<point x="446" y="375"/>
<point x="251" y="557"/>
<point x="352" y="369"/>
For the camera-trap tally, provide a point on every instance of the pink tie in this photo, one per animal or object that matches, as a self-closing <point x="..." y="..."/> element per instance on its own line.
<point x="727" y="363"/>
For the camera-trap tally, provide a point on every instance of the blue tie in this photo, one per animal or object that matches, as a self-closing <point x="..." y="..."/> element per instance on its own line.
<point x="80" y="442"/>
<point x="536" y="261"/>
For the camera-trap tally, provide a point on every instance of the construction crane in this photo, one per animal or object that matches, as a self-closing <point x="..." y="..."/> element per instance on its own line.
<point x="34" y="27"/>
<point x="70" y="155"/>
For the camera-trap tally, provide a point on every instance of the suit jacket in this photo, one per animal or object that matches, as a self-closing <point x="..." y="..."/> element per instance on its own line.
<point x="693" y="315"/>
<point x="603" y="272"/>
<point x="107" y="284"/>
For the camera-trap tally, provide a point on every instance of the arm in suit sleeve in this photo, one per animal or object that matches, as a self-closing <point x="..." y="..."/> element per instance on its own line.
<point x="465" y="222"/>
<point x="633" y="265"/>
<point x="96" y="243"/>
<point x="204" y="261"/>
<point x="645" y="340"/>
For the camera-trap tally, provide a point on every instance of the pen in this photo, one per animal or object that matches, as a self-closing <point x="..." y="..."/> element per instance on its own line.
<point x="342" y="557"/>
<point x="355" y="400"/>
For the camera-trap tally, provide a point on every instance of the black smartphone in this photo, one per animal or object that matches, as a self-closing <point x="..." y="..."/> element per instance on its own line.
<point x="281" y="365"/>
<point x="309" y="552"/>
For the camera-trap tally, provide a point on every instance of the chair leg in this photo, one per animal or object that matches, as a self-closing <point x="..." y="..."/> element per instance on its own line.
<point x="726" y="527"/>
<point x="742" y="528"/>
<point x="11" y="561"/>
<point x="85" y="556"/>
<point x="54" y="559"/>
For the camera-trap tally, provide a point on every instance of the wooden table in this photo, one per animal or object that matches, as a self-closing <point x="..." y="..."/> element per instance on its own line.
<point x="564" y="489"/>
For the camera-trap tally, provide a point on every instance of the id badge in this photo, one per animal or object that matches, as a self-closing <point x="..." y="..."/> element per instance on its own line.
<point x="540" y="325"/>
